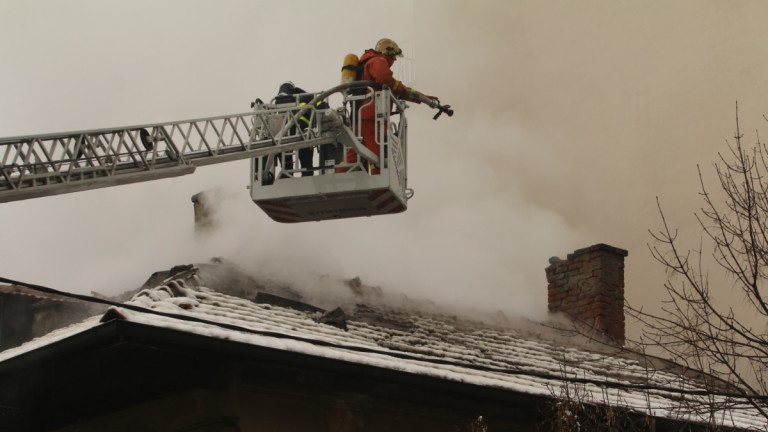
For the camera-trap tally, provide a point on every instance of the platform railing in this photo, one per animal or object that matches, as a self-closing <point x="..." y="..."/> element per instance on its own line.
<point x="331" y="158"/>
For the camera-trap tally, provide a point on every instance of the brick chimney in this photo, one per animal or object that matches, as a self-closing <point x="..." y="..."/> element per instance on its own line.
<point x="588" y="286"/>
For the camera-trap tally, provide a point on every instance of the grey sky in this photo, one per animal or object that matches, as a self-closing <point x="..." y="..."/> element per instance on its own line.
<point x="570" y="118"/>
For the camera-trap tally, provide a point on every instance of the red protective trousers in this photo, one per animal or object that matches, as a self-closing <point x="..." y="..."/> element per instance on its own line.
<point x="368" y="132"/>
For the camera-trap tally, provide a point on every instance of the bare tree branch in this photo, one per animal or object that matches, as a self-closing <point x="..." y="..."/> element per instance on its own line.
<point x="694" y="328"/>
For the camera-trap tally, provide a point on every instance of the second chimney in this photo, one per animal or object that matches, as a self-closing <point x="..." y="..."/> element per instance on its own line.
<point x="588" y="286"/>
<point x="205" y="206"/>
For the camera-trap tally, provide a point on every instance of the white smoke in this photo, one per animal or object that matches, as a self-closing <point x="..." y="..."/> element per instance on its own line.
<point x="570" y="119"/>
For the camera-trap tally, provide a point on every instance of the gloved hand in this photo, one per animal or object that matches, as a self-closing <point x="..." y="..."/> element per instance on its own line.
<point x="432" y="101"/>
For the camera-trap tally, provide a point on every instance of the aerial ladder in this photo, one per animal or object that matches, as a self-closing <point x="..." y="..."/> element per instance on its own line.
<point x="270" y="135"/>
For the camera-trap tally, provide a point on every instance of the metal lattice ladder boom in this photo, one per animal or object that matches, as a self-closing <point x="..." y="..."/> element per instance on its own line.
<point x="52" y="164"/>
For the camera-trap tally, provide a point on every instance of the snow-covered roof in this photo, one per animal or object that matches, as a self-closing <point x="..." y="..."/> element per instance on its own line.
<point x="443" y="347"/>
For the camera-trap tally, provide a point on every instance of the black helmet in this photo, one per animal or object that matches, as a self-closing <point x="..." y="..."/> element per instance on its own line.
<point x="287" y="88"/>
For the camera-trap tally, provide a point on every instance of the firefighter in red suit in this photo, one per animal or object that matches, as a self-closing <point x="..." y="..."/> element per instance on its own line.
<point x="377" y="65"/>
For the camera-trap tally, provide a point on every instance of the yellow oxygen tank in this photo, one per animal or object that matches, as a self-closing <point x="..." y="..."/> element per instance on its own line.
<point x="349" y="70"/>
